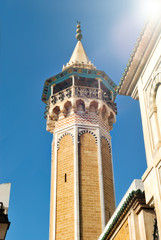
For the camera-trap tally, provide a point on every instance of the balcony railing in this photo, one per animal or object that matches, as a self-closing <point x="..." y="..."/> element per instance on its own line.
<point x="87" y="92"/>
<point x="82" y="92"/>
<point x="79" y="91"/>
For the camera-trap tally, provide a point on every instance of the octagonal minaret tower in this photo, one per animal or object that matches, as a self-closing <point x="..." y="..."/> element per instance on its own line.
<point x="80" y="112"/>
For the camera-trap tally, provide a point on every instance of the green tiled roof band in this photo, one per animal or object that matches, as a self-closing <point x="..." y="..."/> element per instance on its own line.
<point x="125" y="204"/>
<point x="76" y="71"/>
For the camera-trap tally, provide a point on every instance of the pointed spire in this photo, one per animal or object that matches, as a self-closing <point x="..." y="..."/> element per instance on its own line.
<point x="79" y="57"/>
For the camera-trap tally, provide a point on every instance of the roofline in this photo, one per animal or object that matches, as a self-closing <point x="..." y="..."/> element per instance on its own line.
<point x="139" y="57"/>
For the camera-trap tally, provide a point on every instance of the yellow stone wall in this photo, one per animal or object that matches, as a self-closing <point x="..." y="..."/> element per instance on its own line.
<point x="90" y="207"/>
<point x="123" y="233"/>
<point x="65" y="190"/>
<point x="108" y="184"/>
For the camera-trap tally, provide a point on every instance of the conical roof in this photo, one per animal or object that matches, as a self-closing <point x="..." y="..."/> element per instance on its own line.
<point x="79" y="57"/>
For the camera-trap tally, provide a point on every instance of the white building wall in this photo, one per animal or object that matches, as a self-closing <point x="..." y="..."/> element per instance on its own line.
<point x="149" y="94"/>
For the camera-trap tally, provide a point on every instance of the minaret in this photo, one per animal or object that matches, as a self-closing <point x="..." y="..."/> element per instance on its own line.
<point x="80" y="113"/>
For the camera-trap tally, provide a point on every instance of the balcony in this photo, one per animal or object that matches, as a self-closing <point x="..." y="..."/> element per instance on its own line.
<point x="83" y="92"/>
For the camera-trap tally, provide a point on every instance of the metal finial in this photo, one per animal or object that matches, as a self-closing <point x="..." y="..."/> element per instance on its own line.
<point x="78" y="31"/>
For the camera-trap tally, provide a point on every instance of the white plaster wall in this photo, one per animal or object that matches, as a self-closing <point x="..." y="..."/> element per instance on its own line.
<point x="150" y="106"/>
<point x="145" y="87"/>
<point x="5" y="195"/>
<point x="146" y="222"/>
<point x="152" y="63"/>
<point x="145" y="124"/>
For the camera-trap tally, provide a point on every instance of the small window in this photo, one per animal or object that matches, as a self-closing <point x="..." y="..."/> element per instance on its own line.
<point x="65" y="177"/>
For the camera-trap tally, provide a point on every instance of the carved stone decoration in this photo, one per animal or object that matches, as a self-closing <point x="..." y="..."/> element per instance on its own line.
<point x="89" y="106"/>
<point x="68" y="93"/>
<point x="61" y="96"/>
<point x="86" y="92"/>
<point x="94" y="93"/>
<point x="54" y="99"/>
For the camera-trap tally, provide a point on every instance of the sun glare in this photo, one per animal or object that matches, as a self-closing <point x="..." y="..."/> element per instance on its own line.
<point x="151" y="8"/>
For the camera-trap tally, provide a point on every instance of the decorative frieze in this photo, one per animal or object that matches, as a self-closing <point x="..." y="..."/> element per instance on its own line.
<point x="64" y="134"/>
<point x="87" y="131"/>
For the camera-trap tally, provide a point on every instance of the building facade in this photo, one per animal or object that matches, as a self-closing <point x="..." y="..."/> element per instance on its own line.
<point x="138" y="216"/>
<point x="142" y="81"/>
<point x="80" y="112"/>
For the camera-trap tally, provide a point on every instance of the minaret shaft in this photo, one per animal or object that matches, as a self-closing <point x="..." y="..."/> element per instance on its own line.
<point x="80" y="181"/>
<point x="82" y="188"/>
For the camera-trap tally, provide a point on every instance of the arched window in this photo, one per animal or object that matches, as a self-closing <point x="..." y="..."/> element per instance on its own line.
<point x="158" y="105"/>
<point x="155" y="109"/>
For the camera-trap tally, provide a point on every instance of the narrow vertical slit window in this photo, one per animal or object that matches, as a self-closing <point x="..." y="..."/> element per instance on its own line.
<point x="65" y="177"/>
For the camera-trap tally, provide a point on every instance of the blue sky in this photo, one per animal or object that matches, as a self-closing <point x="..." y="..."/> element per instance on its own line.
<point x="37" y="38"/>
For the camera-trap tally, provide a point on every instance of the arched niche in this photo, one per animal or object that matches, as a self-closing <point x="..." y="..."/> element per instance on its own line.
<point x="93" y="107"/>
<point x="56" y="112"/>
<point x="80" y="105"/>
<point x="158" y="106"/>
<point x="67" y="108"/>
